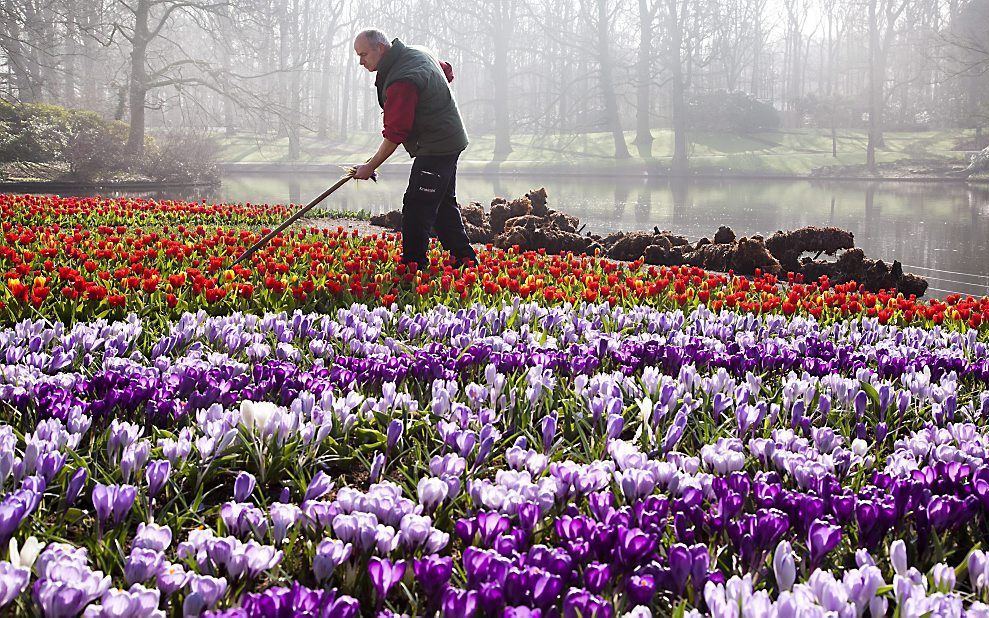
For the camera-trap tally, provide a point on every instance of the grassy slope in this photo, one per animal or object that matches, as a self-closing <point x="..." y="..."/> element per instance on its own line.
<point x="789" y="152"/>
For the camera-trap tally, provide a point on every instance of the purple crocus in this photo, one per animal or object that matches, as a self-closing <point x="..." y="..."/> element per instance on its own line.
<point x="385" y="574"/>
<point x="432" y="492"/>
<point x="641" y="589"/>
<point x="320" y="485"/>
<point x="138" y="601"/>
<point x="156" y="474"/>
<point x="296" y="601"/>
<point x="244" y="486"/>
<point x="680" y="563"/>
<point x="433" y="573"/>
<point x="634" y="546"/>
<point x="459" y="603"/>
<point x="12" y="513"/>
<point x="597" y="575"/>
<point x="491" y="525"/>
<point x="113" y="502"/>
<point x="549" y="431"/>
<point x="171" y="578"/>
<point x="784" y="566"/>
<point x="674" y="433"/>
<point x="614" y="427"/>
<point x="860" y="402"/>
<point x="283" y="517"/>
<point x="821" y="539"/>
<point x="393" y="434"/>
<point x="76" y="484"/>
<point x="377" y="466"/>
<point x="50" y="464"/>
<point x="583" y="604"/>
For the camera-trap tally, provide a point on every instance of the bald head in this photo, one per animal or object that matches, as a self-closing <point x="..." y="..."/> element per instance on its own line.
<point x="370" y="45"/>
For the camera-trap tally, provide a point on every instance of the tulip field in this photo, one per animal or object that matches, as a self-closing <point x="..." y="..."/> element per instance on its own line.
<point x="322" y="431"/>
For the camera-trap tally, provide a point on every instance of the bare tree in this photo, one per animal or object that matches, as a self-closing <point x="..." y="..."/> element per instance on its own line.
<point x="601" y="14"/>
<point x="966" y="56"/>
<point x="648" y="11"/>
<point x="142" y="24"/>
<point x="687" y="30"/>
<point x="29" y="38"/>
<point x="484" y="32"/>
<point x="883" y="15"/>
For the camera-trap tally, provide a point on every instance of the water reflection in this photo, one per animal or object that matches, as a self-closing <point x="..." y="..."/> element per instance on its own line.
<point x="938" y="230"/>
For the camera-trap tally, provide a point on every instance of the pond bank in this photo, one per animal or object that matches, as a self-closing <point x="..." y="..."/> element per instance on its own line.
<point x="73" y="188"/>
<point x="893" y="172"/>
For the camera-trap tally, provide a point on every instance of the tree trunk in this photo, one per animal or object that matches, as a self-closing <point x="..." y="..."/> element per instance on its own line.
<point x="283" y="62"/>
<point x="293" y="121"/>
<point x="294" y="115"/>
<point x="345" y="103"/>
<point x="34" y="44"/>
<point x="678" y="106"/>
<point x="607" y="83"/>
<point x="91" y="95"/>
<point x="121" y="110"/>
<point x="756" y="53"/>
<point x="643" y="132"/>
<point x="71" y="51"/>
<point x="499" y="69"/>
<point x="323" y="91"/>
<point x="138" y="78"/>
<point x="137" y="99"/>
<point x="875" y="87"/>
<point x="18" y="63"/>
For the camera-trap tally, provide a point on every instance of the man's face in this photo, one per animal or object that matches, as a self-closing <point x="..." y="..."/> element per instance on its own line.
<point x="369" y="54"/>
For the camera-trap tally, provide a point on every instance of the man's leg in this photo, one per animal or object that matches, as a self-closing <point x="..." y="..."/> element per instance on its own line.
<point x="427" y="186"/>
<point x="450" y="224"/>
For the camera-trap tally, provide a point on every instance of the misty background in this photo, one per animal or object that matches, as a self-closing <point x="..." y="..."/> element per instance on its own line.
<point x="543" y="70"/>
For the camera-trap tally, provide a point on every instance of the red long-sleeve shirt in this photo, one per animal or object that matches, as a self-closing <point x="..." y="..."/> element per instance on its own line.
<point x="401" y="98"/>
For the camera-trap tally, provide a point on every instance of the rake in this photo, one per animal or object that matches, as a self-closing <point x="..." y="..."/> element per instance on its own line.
<point x="297" y="215"/>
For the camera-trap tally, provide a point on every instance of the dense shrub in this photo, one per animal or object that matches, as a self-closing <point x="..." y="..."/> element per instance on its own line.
<point x="738" y="112"/>
<point x="94" y="148"/>
<point x="55" y="143"/>
<point x="32" y="133"/>
<point x="823" y="112"/>
<point x="181" y="156"/>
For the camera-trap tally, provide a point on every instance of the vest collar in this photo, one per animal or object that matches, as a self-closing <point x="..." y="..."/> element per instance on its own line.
<point x="388" y="61"/>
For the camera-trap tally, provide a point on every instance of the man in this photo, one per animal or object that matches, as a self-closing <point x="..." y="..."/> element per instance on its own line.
<point x="421" y="114"/>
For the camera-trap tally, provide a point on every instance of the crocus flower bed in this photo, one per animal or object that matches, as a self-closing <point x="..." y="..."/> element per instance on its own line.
<point x="323" y="433"/>
<point x="590" y="461"/>
<point x="78" y="260"/>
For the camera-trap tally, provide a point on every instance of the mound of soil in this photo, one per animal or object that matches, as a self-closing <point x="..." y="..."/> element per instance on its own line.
<point x="529" y="224"/>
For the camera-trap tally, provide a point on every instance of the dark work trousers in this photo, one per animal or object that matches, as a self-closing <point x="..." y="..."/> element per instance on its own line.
<point x="431" y="203"/>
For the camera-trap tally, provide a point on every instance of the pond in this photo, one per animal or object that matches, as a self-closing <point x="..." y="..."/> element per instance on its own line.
<point x="937" y="230"/>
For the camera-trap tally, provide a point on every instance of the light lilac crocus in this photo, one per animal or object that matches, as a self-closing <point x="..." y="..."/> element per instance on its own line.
<point x="330" y="553"/>
<point x="137" y="602"/>
<point x="13" y="581"/>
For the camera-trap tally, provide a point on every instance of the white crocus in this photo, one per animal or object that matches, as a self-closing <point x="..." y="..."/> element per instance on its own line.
<point x="24" y="557"/>
<point x="257" y="414"/>
<point x="860" y="447"/>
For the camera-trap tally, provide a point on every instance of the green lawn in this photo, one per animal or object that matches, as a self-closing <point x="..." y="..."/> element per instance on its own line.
<point x="786" y="152"/>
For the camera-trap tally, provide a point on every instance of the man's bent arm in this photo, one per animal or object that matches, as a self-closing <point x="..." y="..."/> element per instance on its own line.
<point x="385" y="150"/>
